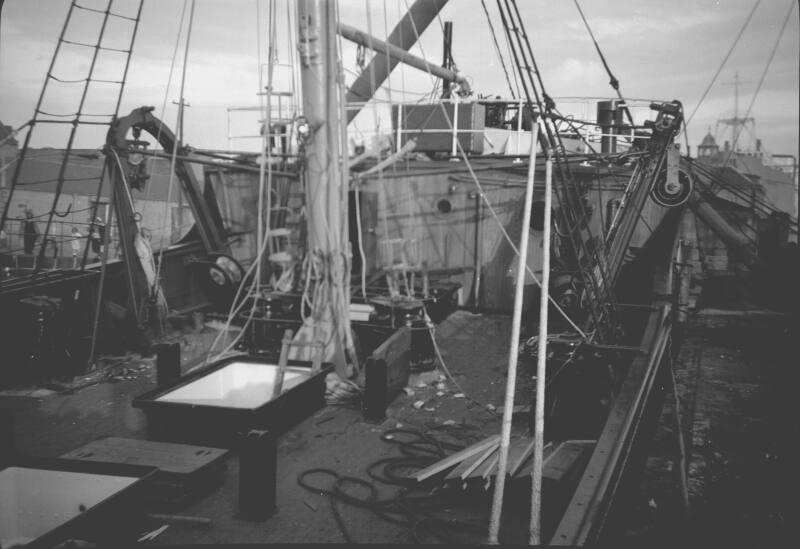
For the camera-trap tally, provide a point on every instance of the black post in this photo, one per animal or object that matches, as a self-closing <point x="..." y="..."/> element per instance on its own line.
<point x="375" y="390"/>
<point x="6" y="436"/>
<point x="258" y="464"/>
<point x="168" y="363"/>
<point x="447" y="55"/>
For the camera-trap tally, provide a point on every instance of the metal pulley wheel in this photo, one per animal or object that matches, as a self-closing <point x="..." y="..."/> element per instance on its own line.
<point x="671" y="193"/>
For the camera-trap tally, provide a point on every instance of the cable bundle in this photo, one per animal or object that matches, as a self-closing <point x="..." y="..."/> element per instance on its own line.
<point x="408" y="508"/>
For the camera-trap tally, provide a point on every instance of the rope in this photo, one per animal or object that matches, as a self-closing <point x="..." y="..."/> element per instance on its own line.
<point x="719" y="69"/>
<point x="612" y="79"/>
<point x="361" y="252"/>
<point x="492" y="211"/>
<point x="158" y="135"/>
<point x="263" y="225"/>
<point x="497" y="49"/>
<point x="761" y="80"/>
<point x="568" y="200"/>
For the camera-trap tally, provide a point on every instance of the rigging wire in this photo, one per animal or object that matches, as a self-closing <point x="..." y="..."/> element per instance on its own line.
<point x="489" y="205"/>
<point x="568" y="200"/>
<point x="719" y="69"/>
<point x="264" y="187"/>
<point x="761" y="80"/>
<point x="612" y="79"/>
<point x="497" y="49"/>
<point x="160" y="127"/>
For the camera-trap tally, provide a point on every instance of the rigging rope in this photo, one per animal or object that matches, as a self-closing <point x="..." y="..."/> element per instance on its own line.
<point x="265" y="176"/>
<point x="497" y="49"/>
<point x="724" y="60"/>
<point x="160" y="128"/>
<point x="569" y="201"/>
<point x="492" y="211"/>
<point x="612" y="79"/>
<point x="761" y="80"/>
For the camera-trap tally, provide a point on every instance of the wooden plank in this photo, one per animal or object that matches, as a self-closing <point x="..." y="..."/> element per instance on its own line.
<point x="282" y="360"/>
<point x="454" y="459"/>
<point x="527" y="469"/>
<point x="396" y="352"/>
<point x="489" y="451"/>
<point x="461" y="467"/>
<point x="488" y="463"/>
<point x="526" y="455"/>
<point x="171" y="458"/>
<point x="560" y="465"/>
<point x="492" y="468"/>
<point x="516" y="450"/>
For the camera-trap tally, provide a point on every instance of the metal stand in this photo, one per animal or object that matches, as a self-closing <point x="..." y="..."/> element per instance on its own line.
<point x="258" y="461"/>
<point x="375" y="390"/>
<point x="168" y="363"/>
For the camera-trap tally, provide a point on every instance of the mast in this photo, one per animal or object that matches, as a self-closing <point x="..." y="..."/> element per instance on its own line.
<point x="736" y="122"/>
<point x="316" y="20"/>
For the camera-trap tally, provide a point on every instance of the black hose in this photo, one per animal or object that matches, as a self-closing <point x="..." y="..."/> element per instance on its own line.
<point x="405" y="509"/>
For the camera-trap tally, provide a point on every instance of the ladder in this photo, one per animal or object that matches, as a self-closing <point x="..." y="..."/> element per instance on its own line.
<point x="588" y="259"/>
<point x="78" y="16"/>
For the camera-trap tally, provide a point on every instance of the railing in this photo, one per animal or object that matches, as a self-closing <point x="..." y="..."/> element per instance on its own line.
<point x="579" y="118"/>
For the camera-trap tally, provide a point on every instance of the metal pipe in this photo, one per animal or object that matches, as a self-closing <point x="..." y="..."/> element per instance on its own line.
<point x="447" y="55"/>
<point x="513" y="354"/>
<point x="421" y="14"/>
<point x="391" y="159"/>
<point x="722" y="228"/>
<point x="476" y="295"/>
<point x="535" y="529"/>
<point x="379" y="46"/>
<point x="317" y="54"/>
<point x="454" y="139"/>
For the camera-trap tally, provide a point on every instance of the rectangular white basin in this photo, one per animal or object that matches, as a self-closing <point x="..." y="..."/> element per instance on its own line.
<point x="236" y="385"/>
<point x="35" y="501"/>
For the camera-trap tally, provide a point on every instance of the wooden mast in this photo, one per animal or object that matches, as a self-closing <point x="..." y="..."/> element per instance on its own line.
<point x="322" y="145"/>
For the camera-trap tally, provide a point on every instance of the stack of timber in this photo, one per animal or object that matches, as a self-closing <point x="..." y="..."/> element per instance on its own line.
<point x="478" y="464"/>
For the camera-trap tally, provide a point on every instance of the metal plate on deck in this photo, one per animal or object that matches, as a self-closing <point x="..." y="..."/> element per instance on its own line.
<point x="170" y="458"/>
<point x="44" y="500"/>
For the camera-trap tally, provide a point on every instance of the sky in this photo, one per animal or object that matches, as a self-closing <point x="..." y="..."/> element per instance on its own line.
<point x="656" y="49"/>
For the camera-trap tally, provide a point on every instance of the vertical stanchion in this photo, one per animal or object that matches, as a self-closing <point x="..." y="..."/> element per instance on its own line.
<point x="399" y="137"/>
<point x="541" y="365"/>
<point x="513" y="354"/>
<point x="258" y="462"/>
<point x="519" y="127"/>
<point x="454" y="142"/>
<point x="168" y="363"/>
<point x="375" y="390"/>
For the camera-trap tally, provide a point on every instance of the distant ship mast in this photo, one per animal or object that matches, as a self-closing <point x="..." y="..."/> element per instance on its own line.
<point x="737" y="123"/>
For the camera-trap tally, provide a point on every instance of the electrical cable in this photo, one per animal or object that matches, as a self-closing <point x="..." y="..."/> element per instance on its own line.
<point x="418" y="449"/>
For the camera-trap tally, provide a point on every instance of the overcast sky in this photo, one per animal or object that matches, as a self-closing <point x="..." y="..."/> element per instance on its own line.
<point x="657" y="49"/>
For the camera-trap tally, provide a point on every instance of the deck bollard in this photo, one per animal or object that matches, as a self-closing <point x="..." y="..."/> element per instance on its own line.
<point x="258" y="461"/>
<point x="168" y="363"/>
<point x="375" y="390"/>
